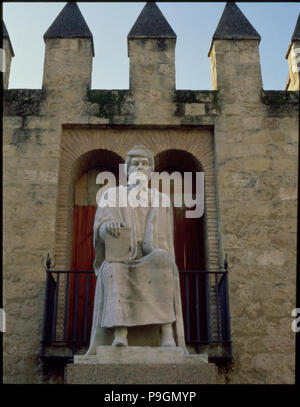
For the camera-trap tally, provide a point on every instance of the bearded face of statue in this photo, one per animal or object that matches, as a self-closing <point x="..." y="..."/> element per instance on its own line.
<point x="139" y="170"/>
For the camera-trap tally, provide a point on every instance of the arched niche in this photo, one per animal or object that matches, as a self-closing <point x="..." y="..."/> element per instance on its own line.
<point x="83" y="148"/>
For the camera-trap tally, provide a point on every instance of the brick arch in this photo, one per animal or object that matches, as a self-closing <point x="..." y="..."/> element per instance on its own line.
<point x="93" y="158"/>
<point x="179" y="158"/>
<point x="67" y="182"/>
<point x="79" y="144"/>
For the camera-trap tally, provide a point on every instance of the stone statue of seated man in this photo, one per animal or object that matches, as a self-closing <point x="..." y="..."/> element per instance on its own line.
<point x="143" y="289"/>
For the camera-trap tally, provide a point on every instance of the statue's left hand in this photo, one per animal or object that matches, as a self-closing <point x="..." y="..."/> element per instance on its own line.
<point x="113" y="227"/>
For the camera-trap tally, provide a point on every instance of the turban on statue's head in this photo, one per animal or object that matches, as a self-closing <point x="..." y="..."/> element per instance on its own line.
<point x="140" y="151"/>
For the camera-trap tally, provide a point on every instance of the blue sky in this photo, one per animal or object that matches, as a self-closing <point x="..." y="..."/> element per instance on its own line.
<point x="194" y="24"/>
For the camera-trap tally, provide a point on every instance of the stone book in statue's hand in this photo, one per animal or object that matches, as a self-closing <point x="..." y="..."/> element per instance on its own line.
<point x="118" y="249"/>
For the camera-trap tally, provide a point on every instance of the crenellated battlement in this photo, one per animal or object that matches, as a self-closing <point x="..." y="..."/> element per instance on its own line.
<point x="69" y="45"/>
<point x="152" y="97"/>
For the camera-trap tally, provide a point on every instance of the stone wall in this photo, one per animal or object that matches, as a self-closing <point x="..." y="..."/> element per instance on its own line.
<point x="31" y="157"/>
<point x="257" y="176"/>
<point x="254" y="146"/>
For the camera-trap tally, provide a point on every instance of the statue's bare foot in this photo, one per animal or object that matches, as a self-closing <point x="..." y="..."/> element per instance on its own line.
<point x="120" y="337"/>
<point x="119" y="342"/>
<point x="167" y="342"/>
<point x="167" y="338"/>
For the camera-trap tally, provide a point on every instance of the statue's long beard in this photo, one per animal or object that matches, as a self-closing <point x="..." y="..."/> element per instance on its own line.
<point x="138" y="178"/>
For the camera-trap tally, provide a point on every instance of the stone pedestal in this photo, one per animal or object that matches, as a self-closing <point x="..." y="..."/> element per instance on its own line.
<point x="140" y="365"/>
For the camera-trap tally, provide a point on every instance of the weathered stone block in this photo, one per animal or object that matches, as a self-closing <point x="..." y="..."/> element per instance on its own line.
<point x="195" y="109"/>
<point x="125" y="365"/>
<point x="257" y="164"/>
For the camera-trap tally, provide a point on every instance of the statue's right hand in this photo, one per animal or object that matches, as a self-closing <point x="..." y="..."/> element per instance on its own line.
<point x="113" y="227"/>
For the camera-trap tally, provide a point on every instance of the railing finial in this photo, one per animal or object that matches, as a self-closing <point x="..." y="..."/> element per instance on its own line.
<point x="226" y="262"/>
<point x="48" y="265"/>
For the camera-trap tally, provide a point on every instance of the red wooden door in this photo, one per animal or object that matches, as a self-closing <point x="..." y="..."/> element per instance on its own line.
<point x="82" y="286"/>
<point x="189" y="245"/>
<point x="190" y="256"/>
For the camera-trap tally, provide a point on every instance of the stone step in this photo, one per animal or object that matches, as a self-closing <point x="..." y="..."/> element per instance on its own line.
<point x="140" y="365"/>
<point x="139" y="354"/>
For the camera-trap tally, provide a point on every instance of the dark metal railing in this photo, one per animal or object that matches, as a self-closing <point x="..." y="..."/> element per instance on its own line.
<point x="68" y="312"/>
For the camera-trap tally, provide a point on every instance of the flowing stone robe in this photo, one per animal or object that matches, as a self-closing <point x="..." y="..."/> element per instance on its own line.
<point x="146" y="289"/>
